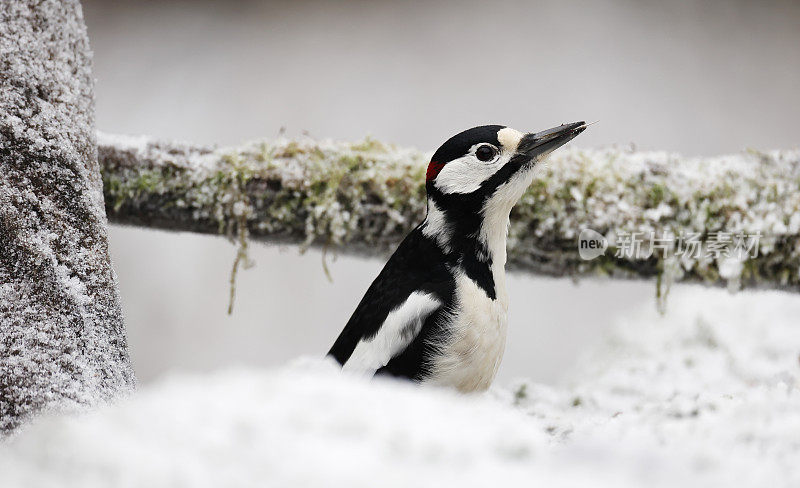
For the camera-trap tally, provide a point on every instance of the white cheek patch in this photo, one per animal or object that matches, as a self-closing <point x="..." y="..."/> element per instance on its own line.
<point x="509" y="138"/>
<point x="465" y="175"/>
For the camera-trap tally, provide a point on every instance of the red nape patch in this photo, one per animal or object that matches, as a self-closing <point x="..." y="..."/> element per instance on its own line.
<point x="433" y="170"/>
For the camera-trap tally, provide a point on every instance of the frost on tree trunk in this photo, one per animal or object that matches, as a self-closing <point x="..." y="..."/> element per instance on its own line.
<point x="62" y="337"/>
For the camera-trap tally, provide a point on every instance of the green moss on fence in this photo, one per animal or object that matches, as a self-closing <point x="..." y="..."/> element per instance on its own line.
<point x="366" y="196"/>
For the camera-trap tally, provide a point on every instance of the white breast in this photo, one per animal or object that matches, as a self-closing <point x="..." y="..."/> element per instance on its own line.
<point x="469" y="359"/>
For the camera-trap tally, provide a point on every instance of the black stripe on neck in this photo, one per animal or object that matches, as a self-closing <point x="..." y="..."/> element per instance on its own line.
<point x="464" y="218"/>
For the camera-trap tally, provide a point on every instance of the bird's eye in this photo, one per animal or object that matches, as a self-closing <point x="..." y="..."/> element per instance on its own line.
<point x="485" y="152"/>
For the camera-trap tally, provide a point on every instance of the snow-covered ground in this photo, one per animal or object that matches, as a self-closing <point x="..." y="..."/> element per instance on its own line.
<point x="704" y="396"/>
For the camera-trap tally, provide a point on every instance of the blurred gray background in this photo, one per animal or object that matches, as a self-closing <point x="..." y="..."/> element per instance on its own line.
<point x="696" y="77"/>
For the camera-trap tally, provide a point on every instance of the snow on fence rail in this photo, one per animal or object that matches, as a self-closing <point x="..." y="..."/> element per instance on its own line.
<point x="364" y="197"/>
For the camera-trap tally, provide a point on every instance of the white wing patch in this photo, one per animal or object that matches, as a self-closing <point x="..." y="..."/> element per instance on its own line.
<point x="398" y="330"/>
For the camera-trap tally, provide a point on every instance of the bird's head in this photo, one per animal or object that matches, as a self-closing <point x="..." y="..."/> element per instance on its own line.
<point x="490" y="166"/>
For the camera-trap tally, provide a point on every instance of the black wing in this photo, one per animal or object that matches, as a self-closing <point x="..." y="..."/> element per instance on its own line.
<point x="417" y="266"/>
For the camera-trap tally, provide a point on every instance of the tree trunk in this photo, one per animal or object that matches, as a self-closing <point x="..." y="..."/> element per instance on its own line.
<point x="62" y="336"/>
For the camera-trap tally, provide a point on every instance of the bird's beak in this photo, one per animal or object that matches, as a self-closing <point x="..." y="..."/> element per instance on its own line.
<point x="535" y="145"/>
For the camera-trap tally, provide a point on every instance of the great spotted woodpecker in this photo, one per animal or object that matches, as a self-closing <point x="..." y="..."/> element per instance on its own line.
<point x="437" y="311"/>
